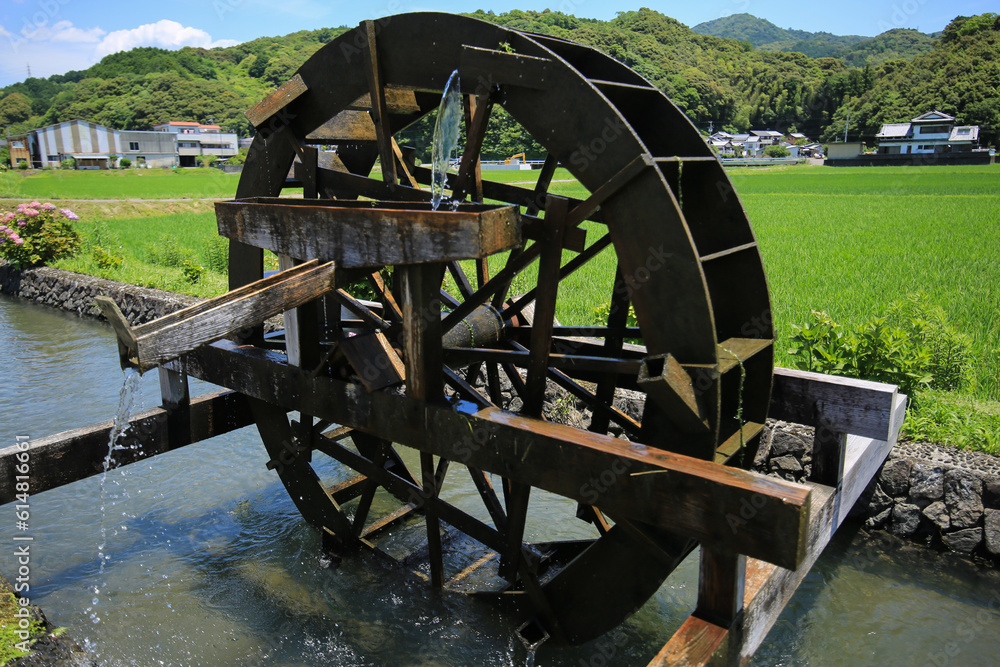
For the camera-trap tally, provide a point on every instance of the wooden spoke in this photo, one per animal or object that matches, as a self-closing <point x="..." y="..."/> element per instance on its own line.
<point x="617" y="319"/>
<point x="567" y="270"/>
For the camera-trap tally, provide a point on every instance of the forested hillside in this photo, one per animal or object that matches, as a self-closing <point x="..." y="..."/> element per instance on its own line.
<point x="725" y="82"/>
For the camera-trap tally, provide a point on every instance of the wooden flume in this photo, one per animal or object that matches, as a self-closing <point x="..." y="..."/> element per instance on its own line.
<point x="417" y="366"/>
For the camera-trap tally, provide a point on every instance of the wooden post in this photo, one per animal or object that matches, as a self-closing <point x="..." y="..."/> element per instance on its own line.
<point x="721" y="583"/>
<point x="421" y="306"/>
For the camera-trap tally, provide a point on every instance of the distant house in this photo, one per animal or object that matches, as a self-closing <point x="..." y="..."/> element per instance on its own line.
<point x="932" y="132"/>
<point x="19" y="150"/>
<point x="194" y="140"/>
<point x="92" y="146"/>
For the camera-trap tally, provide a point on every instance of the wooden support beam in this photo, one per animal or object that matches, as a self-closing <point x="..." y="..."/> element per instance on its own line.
<point x="687" y="495"/>
<point x="62" y="458"/>
<point x="721" y="584"/>
<point x="768" y="587"/>
<point x="419" y="287"/>
<point x="850" y="406"/>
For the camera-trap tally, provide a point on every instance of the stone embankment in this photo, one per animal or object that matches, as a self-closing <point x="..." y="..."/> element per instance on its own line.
<point x="938" y="495"/>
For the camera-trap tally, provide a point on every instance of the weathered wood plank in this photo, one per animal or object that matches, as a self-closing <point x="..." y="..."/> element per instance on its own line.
<point x="397" y="100"/>
<point x="62" y="458"/>
<point x="368" y="234"/>
<point x="346" y="127"/>
<point x="851" y="406"/>
<point x="171" y="336"/>
<point x="376" y="363"/>
<point x="690" y="496"/>
<point x="276" y="101"/>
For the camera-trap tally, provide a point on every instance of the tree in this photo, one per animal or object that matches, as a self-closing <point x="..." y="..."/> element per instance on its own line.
<point x="15" y="108"/>
<point x="776" y="151"/>
<point x="207" y="160"/>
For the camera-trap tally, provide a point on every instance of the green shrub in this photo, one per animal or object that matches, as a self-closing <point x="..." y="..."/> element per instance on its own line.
<point x="37" y="234"/>
<point x="124" y="163"/>
<point x="913" y="346"/>
<point x="68" y="163"/>
<point x="22" y="165"/>
<point x="106" y="259"/>
<point x="192" y="272"/>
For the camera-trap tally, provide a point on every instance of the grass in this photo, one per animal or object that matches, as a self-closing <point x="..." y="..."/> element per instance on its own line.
<point x="153" y="249"/>
<point x="9" y="626"/>
<point x="846" y="240"/>
<point x="853" y="253"/>
<point x="196" y="183"/>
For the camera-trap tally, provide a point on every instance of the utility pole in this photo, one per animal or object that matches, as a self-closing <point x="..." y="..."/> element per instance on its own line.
<point x="847" y="125"/>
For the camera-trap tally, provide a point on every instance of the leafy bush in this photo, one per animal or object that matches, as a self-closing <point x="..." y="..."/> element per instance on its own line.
<point x="913" y="346"/>
<point x="776" y="151"/>
<point x="106" y="259"/>
<point x="68" y="163"/>
<point x="37" y="234"/>
<point x="192" y="272"/>
<point x="124" y="163"/>
<point x="22" y="165"/>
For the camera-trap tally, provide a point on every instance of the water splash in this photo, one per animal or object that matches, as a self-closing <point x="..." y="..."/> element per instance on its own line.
<point x="129" y="395"/>
<point x="449" y="119"/>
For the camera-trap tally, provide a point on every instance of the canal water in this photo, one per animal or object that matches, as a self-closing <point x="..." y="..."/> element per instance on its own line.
<point x="208" y="562"/>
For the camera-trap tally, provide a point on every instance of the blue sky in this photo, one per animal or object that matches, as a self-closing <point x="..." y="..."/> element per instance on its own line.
<point x="55" y="36"/>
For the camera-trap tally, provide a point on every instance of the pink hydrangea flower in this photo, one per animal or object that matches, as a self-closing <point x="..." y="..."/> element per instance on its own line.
<point x="48" y="206"/>
<point x="21" y="207"/>
<point x="30" y="212"/>
<point x="10" y="216"/>
<point x="35" y="204"/>
<point x="18" y="241"/>
<point x="3" y="228"/>
<point x="69" y="214"/>
<point x="21" y="223"/>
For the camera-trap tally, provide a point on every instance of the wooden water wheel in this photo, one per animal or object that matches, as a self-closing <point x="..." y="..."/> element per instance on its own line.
<point x="687" y="261"/>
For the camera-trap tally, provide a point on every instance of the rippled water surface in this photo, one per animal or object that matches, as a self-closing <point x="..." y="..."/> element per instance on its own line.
<point x="208" y="562"/>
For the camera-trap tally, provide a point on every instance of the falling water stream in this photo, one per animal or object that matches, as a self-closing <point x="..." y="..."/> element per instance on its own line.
<point x="128" y="396"/>
<point x="446" y="126"/>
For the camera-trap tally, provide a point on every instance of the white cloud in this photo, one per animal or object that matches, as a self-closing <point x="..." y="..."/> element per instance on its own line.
<point x="164" y="33"/>
<point x="64" y="31"/>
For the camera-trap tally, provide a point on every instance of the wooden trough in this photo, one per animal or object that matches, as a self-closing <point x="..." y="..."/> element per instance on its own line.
<point x="403" y="323"/>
